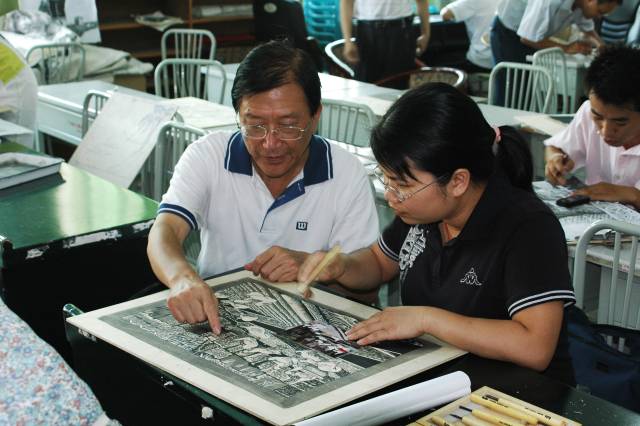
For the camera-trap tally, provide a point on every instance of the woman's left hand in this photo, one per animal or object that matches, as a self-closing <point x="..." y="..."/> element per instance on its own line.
<point x="401" y="322"/>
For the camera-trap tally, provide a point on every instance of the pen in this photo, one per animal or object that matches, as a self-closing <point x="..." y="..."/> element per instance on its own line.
<point x="495" y="419"/>
<point x="511" y="412"/>
<point x="543" y="418"/>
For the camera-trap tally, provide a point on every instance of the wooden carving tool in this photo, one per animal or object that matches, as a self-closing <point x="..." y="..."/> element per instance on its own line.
<point x="542" y="418"/>
<point x="511" y="412"/>
<point x="303" y="288"/>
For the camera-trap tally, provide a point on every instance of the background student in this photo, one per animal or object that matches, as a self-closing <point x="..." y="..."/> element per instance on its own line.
<point x="384" y="43"/>
<point x="604" y="136"/>
<point x="477" y="16"/>
<point x="468" y="240"/>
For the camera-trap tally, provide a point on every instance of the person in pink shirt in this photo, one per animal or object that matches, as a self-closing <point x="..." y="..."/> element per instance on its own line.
<point x="604" y="136"/>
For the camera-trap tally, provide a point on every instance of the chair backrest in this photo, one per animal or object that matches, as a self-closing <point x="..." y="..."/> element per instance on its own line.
<point x="336" y="63"/>
<point x="345" y="121"/>
<point x="156" y="172"/>
<point x="414" y="78"/>
<point x="611" y="304"/>
<point x="178" y="78"/>
<point x="527" y="87"/>
<point x="184" y="43"/>
<point x="323" y="20"/>
<point x="93" y="103"/>
<point x="57" y="63"/>
<point x="554" y="61"/>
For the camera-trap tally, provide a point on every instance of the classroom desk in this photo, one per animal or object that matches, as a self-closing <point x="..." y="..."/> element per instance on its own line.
<point x="60" y="107"/>
<point x="71" y="236"/>
<point x="136" y="393"/>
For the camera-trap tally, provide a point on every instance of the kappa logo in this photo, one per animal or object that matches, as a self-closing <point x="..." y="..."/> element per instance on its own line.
<point x="470" y="278"/>
<point x="301" y="226"/>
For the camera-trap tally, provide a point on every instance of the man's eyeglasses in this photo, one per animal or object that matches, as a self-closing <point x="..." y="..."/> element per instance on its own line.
<point x="284" y="133"/>
<point x="399" y="195"/>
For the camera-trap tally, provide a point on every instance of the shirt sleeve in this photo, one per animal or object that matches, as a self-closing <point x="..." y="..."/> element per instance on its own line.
<point x="575" y="138"/>
<point x="392" y="238"/>
<point x="536" y="20"/>
<point x="357" y="220"/>
<point x="536" y="265"/>
<point x="188" y="193"/>
<point x="585" y="24"/>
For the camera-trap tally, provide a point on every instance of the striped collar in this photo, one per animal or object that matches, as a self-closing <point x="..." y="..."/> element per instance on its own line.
<point x="317" y="169"/>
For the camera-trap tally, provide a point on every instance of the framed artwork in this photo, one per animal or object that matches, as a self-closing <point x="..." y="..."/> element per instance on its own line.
<point x="280" y="357"/>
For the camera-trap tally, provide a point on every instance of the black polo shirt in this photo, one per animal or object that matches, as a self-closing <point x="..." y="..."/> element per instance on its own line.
<point x="509" y="256"/>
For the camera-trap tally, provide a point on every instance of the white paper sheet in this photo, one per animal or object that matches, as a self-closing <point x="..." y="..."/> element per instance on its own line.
<point x="203" y="114"/>
<point x="121" y="137"/>
<point x="397" y="404"/>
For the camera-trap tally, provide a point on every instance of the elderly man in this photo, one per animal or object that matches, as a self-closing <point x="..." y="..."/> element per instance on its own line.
<point x="263" y="196"/>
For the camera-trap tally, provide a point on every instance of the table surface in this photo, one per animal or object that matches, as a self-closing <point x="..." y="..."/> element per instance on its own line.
<point x="61" y="208"/>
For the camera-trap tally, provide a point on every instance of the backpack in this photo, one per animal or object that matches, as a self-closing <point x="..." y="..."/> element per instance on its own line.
<point x="607" y="372"/>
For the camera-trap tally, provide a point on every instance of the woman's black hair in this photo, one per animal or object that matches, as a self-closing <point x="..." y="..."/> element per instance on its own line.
<point x="436" y="128"/>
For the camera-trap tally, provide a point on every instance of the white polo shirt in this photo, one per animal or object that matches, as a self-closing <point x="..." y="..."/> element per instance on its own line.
<point x="540" y="19"/>
<point x="477" y="16"/>
<point x="367" y="10"/>
<point x="603" y="163"/>
<point x="215" y="189"/>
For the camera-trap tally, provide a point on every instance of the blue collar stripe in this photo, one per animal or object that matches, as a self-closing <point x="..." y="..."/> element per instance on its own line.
<point x="292" y="192"/>
<point x="317" y="169"/>
<point x="180" y="211"/>
<point x="237" y="158"/>
<point x="319" y="166"/>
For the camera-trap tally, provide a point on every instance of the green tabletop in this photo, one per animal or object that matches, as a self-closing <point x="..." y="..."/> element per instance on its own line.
<point x="68" y="210"/>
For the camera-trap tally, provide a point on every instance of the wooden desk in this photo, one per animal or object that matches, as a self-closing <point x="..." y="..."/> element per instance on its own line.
<point x="69" y="237"/>
<point x="136" y="393"/>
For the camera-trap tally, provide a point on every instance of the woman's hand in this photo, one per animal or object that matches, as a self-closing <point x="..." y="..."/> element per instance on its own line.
<point x="400" y="322"/>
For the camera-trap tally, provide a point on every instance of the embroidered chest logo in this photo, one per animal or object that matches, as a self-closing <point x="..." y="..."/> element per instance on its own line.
<point x="301" y="226"/>
<point x="470" y="278"/>
<point x="413" y="246"/>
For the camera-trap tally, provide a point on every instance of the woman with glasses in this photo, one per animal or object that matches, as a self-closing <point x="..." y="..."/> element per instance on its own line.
<point x="482" y="262"/>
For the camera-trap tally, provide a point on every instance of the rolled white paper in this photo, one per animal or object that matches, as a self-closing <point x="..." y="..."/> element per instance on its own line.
<point x="400" y="403"/>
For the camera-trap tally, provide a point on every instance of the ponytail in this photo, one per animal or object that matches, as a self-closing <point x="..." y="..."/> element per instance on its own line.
<point x="514" y="158"/>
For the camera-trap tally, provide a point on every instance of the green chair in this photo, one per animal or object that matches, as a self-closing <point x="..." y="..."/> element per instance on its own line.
<point x="57" y="63"/>
<point x="186" y="43"/>
<point x="178" y="78"/>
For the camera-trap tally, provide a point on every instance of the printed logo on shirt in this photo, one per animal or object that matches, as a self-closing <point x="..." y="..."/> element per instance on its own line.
<point x="470" y="278"/>
<point x="413" y="246"/>
<point x="301" y="226"/>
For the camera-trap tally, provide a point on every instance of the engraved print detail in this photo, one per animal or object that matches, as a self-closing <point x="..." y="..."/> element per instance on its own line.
<point x="414" y="244"/>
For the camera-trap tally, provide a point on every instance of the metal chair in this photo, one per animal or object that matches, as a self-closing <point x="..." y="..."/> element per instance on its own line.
<point x="156" y="172"/>
<point x="178" y="78"/>
<point x="57" y="63"/>
<point x="345" y="121"/>
<point x="336" y="63"/>
<point x="453" y="76"/>
<point x="188" y="44"/>
<point x="93" y="103"/>
<point x="609" y="307"/>
<point x="553" y="59"/>
<point x="527" y="87"/>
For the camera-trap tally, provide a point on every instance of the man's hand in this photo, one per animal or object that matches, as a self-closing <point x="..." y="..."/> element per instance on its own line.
<point x="192" y="301"/>
<point x="609" y="192"/>
<point x="400" y="322"/>
<point x="579" y="46"/>
<point x="350" y="52"/>
<point x="421" y="44"/>
<point x="277" y="264"/>
<point x="556" y="167"/>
